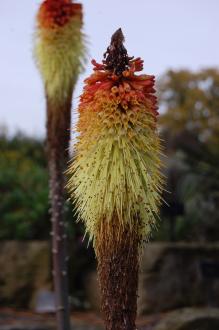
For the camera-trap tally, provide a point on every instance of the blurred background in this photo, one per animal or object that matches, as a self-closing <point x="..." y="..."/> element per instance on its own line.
<point x="180" y="266"/>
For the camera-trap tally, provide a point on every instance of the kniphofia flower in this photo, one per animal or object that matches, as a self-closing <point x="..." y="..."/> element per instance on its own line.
<point x="59" y="47"/>
<point x="115" y="177"/>
<point x="116" y="165"/>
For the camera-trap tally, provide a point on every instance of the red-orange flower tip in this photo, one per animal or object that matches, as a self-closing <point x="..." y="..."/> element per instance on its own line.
<point x="121" y="86"/>
<point x="57" y="13"/>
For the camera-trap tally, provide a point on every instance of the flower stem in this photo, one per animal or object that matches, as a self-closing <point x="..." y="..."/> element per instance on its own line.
<point x="58" y="135"/>
<point x="118" y="264"/>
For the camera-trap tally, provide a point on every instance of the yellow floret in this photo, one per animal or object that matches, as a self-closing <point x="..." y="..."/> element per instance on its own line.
<point x="59" y="55"/>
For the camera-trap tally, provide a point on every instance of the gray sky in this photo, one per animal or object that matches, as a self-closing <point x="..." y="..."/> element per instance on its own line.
<point x="165" y="33"/>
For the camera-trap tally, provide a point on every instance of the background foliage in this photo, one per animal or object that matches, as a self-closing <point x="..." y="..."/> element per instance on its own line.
<point x="23" y="186"/>
<point x="190" y="127"/>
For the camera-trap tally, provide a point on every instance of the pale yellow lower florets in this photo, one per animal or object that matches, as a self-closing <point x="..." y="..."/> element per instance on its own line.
<point x="116" y="169"/>
<point x="59" y="55"/>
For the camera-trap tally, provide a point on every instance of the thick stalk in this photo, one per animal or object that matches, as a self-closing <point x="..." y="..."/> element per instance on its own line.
<point x="118" y="264"/>
<point x="58" y="135"/>
<point x="118" y="248"/>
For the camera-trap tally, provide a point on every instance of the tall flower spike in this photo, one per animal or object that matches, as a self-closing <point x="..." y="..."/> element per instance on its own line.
<point x="59" y="48"/>
<point x="115" y="176"/>
<point x="59" y="52"/>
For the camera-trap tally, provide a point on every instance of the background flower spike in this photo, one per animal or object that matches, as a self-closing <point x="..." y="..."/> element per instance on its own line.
<point x="115" y="177"/>
<point x="59" y="52"/>
<point x="59" y="47"/>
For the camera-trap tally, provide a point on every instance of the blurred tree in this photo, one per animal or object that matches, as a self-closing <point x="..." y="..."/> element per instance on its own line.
<point x="190" y="127"/>
<point x="23" y="188"/>
<point x="24" y="207"/>
<point x="191" y="103"/>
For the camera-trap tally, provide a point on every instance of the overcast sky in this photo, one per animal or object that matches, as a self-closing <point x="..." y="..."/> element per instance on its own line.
<point x="165" y="33"/>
